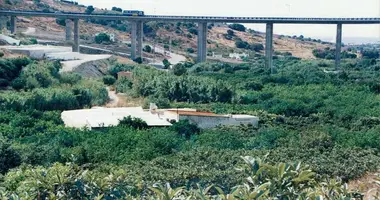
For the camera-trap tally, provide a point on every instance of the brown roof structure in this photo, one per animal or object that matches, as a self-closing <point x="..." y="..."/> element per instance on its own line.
<point x="195" y="113"/>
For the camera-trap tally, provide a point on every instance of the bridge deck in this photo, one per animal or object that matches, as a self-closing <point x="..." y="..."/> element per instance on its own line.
<point x="275" y="20"/>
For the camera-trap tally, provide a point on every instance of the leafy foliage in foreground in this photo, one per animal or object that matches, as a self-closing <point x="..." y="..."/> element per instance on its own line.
<point x="265" y="181"/>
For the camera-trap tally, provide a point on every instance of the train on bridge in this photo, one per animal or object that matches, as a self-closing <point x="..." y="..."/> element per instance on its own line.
<point x="135" y="13"/>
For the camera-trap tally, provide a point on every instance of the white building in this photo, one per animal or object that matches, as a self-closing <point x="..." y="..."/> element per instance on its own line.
<point x="107" y="117"/>
<point x="216" y="55"/>
<point x="238" y="56"/>
<point x="112" y="37"/>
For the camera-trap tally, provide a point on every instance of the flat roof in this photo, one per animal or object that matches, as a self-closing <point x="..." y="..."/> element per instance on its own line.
<point x="105" y="117"/>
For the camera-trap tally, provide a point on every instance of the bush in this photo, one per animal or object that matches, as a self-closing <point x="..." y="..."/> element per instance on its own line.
<point x="241" y="44"/>
<point x="166" y="63"/>
<point x="102" y="37"/>
<point x="61" y="21"/>
<point x="90" y="9"/>
<point x="9" y="158"/>
<point x="11" y="69"/>
<point x="133" y="122"/>
<point x="1" y="54"/>
<point x="70" y="78"/>
<point x="257" y="47"/>
<point x="117" y="9"/>
<point x="237" y="27"/>
<point x="193" y="31"/>
<point x="138" y="60"/>
<point x="230" y="32"/>
<point x="123" y="85"/>
<point x="33" y="41"/>
<point x="109" y="80"/>
<point x="179" y="69"/>
<point x="371" y="53"/>
<point x="190" y="50"/>
<point x="147" y="48"/>
<point x="185" y="128"/>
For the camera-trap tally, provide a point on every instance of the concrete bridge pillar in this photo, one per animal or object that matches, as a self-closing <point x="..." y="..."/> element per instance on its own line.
<point x="140" y="35"/>
<point x="338" y="47"/>
<point x="68" y="30"/>
<point x="76" y="36"/>
<point x="269" y="47"/>
<point x="13" y="24"/>
<point x="133" y="40"/>
<point x="202" y="42"/>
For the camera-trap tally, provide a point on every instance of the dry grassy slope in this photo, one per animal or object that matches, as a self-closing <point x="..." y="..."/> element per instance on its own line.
<point x="46" y="26"/>
<point x="301" y="49"/>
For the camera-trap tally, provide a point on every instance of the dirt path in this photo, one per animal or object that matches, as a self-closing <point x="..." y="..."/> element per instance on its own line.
<point x="114" y="99"/>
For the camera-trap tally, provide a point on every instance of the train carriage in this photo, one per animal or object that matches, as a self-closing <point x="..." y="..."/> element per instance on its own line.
<point x="133" y="13"/>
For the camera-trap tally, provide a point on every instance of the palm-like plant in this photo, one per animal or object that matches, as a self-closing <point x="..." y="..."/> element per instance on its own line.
<point x="166" y="192"/>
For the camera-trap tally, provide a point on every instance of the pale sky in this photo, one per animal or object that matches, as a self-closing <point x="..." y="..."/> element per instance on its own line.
<point x="266" y="8"/>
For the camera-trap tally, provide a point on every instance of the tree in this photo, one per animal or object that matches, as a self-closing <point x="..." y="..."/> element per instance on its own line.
<point x="370" y="53"/>
<point x="179" y="69"/>
<point x="241" y="44"/>
<point x="193" y="31"/>
<point x="237" y="27"/>
<point x="147" y="48"/>
<point x="90" y="9"/>
<point x="61" y="21"/>
<point x="138" y="60"/>
<point x="117" y="9"/>
<point x="166" y="63"/>
<point x="190" y="50"/>
<point x="102" y="37"/>
<point x="185" y="128"/>
<point x="257" y="47"/>
<point x="133" y="122"/>
<point x="230" y="32"/>
<point x="109" y="80"/>
<point x="9" y="158"/>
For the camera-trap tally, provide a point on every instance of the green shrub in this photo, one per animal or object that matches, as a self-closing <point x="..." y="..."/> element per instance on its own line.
<point x="193" y="31"/>
<point x="138" y="60"/>
<point x="9" y="158"/>
<point x="190" y="50"/>
<point x="109" y="80"/>
<point x="237" y="27"/>
<point x="166" y="63"/>
<point x="102" y="37"/>
<point x="133" y="122"/>
<point x="123" y="85"/>
<point x="185" y="128"/>
<point x="61" y="21"/>
<point x="147" y="48"/>
<point x="179" y="69"/>
<point x="69" y="78"/>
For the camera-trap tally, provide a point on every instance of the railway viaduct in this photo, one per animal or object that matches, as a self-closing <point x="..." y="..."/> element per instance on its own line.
<point x="137" y="28"/>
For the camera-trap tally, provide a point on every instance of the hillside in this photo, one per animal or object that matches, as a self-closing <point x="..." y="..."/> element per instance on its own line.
<point x="182" y="40"/>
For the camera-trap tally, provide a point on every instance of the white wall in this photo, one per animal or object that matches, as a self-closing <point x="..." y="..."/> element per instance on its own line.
<point x="211" y="122"/>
